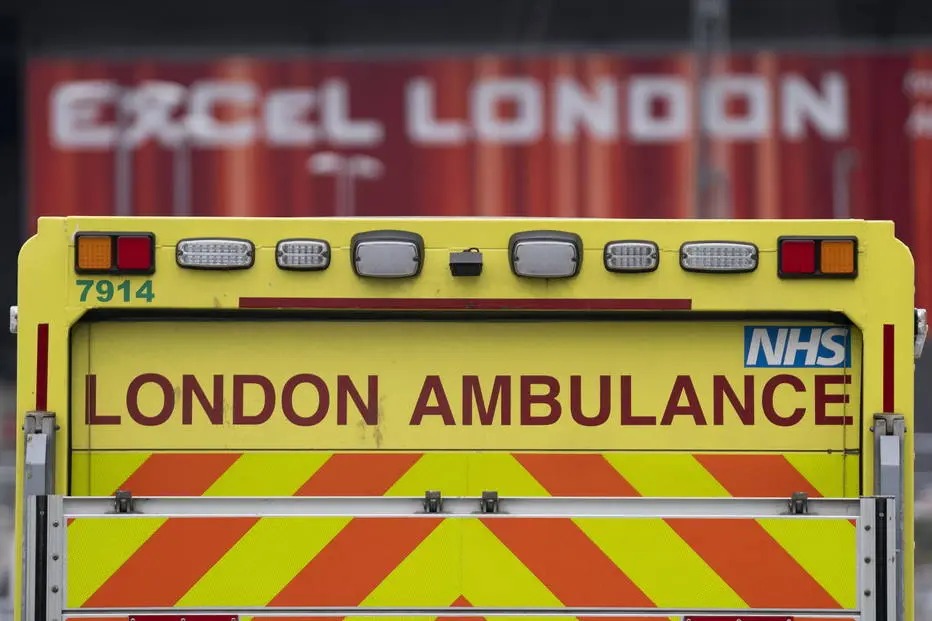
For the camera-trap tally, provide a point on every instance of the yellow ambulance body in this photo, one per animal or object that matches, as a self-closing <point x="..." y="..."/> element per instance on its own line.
<point x="444" y="418"/>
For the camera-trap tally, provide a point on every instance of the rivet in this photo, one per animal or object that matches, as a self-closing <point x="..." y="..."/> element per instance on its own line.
<point x="55" y="524"/>
<point x="54" y="589"/>
<point x="867" y="559"/>
<point x="867" y="592"/>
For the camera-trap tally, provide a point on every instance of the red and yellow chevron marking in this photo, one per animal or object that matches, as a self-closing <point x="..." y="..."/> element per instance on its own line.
<point x="426" y="561"/>
<point x="458" y="474"/>
<point x="675" y="563"/>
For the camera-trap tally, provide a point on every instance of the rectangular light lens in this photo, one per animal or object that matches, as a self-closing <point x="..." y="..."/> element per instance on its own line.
<point x="135" y="253"/>
<point x="631" y="256"/>
<point x="837" y="256"/>
<point x="718" y="257"/>
<point x="797" y="256"/>
<point x="94" y="253"/>
<point x="216" y="254"/>
<point x="817" y="257"/>
<point x="302" y="254"/>
<point x="387" y="254"/>
<point x="545" y="254"/>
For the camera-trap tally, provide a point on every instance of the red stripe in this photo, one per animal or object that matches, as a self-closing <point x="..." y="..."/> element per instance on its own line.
<point x="576" y="474"/>
<point x="460" y="602"/>
<point x="363" y="474"/>
<point x="355" y="562"/>
<point x="567" y="562"/>
<point x="888" y="366"/>
<point x="467" y="304"/>
<point x="178" y="474"/>
<point x="42" y="367"/>
<point x="756" y="476"/>
<point x="170" y="562"/>
<point x="752" y="563"/>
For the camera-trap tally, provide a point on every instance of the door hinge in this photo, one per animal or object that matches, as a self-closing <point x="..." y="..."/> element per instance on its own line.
<point x="489" y="502"/>
<point x="123" y="501"/>
<point x="433" y="502"/>
<point x="799" y="503"/>
<point x="920" y="332"/>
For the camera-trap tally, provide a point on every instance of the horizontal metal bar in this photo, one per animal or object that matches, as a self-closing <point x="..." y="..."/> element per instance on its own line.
<point x="380" y="506"/>
<point x="465" y="612"/>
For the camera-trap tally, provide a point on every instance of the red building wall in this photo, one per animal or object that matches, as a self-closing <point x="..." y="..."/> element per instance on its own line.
<point x="600" y="135"/>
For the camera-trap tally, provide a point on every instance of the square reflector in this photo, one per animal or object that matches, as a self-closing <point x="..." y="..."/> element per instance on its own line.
<point x="797" y="256"/>
<point x="837" y="256"/>
<point x="135" y="253"/>
<point x="94" y="253"/>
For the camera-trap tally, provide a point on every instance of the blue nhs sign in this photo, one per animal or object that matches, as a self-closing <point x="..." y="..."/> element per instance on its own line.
<point x="773" y="346"/>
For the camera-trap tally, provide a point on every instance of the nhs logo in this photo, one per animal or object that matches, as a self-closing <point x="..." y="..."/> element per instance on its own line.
<point x="772" y="346"/>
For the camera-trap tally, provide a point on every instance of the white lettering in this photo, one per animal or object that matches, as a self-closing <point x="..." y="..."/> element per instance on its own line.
<point x="342" y="129"/>
<point x="754" y="123"/>
<point x="919" y="123"/>
<point x="518" y="110"/>
<point x="917" y="83"/>
<point x="574" y="107"/>
<point x="76" y="111"/>
<point x="801" y="103"/>
<point x="150" y="107"/>
<point x="672" y="94"/>
<point x="527" y="124"/>
<point x="423" y="125"/>
<point x="833" y="339"/>
<point x="286" y="121"/>
<point x="795" y="345"/>
<point x="205" y="129"/>
<point x="773" y="352"/>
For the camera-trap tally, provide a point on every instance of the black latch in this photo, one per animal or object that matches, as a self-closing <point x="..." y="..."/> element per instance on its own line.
<point x="466" y="263"/>
<point x="123" y="501"/>
<point x="799" y="503"/>
<point x="489" y="502"/>
<point x="433" y="503"/>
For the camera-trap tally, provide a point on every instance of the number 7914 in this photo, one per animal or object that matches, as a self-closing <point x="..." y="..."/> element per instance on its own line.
<point x="109" y="291"/>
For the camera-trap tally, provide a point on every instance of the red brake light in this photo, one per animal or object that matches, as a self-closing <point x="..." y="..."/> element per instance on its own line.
<point x="797" y="256"/>
<point x="114" y="253"/>
<point x="134" y="252"/>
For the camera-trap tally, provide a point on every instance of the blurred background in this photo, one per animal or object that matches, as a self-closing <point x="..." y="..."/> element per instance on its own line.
<point x="599" y="108"/>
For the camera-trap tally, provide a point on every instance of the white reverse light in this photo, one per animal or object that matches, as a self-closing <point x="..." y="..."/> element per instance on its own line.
<point x="302" y="254"/>
<point x="217" y="254"/>
<point x="631" y="256"/>
<point x="718" y="257"/>
<point x="545" y="254"/>
<point x="387" y="254"/>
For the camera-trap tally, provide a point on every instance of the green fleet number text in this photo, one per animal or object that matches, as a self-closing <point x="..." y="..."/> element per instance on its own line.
<point x="109" y="290"/>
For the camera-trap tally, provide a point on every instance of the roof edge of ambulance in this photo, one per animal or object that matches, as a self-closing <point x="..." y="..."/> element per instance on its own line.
<point x="45" y="222"/>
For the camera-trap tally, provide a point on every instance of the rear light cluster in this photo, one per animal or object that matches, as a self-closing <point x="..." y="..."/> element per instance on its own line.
<point x="114" y="253"/>
<point x="817" y="257"/>
<point x="532" y="254"/>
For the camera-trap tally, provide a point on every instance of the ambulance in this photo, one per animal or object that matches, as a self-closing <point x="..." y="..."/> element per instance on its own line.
<point x="378" y="418"/>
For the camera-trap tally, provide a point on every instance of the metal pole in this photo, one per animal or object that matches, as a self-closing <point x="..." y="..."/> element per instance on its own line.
<point x="122" y="161"/>
<point x="842" y="166"/>
<point x="181" y="160"/>
<point x="710" y="36"/>
<point x="349" y="194"/>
